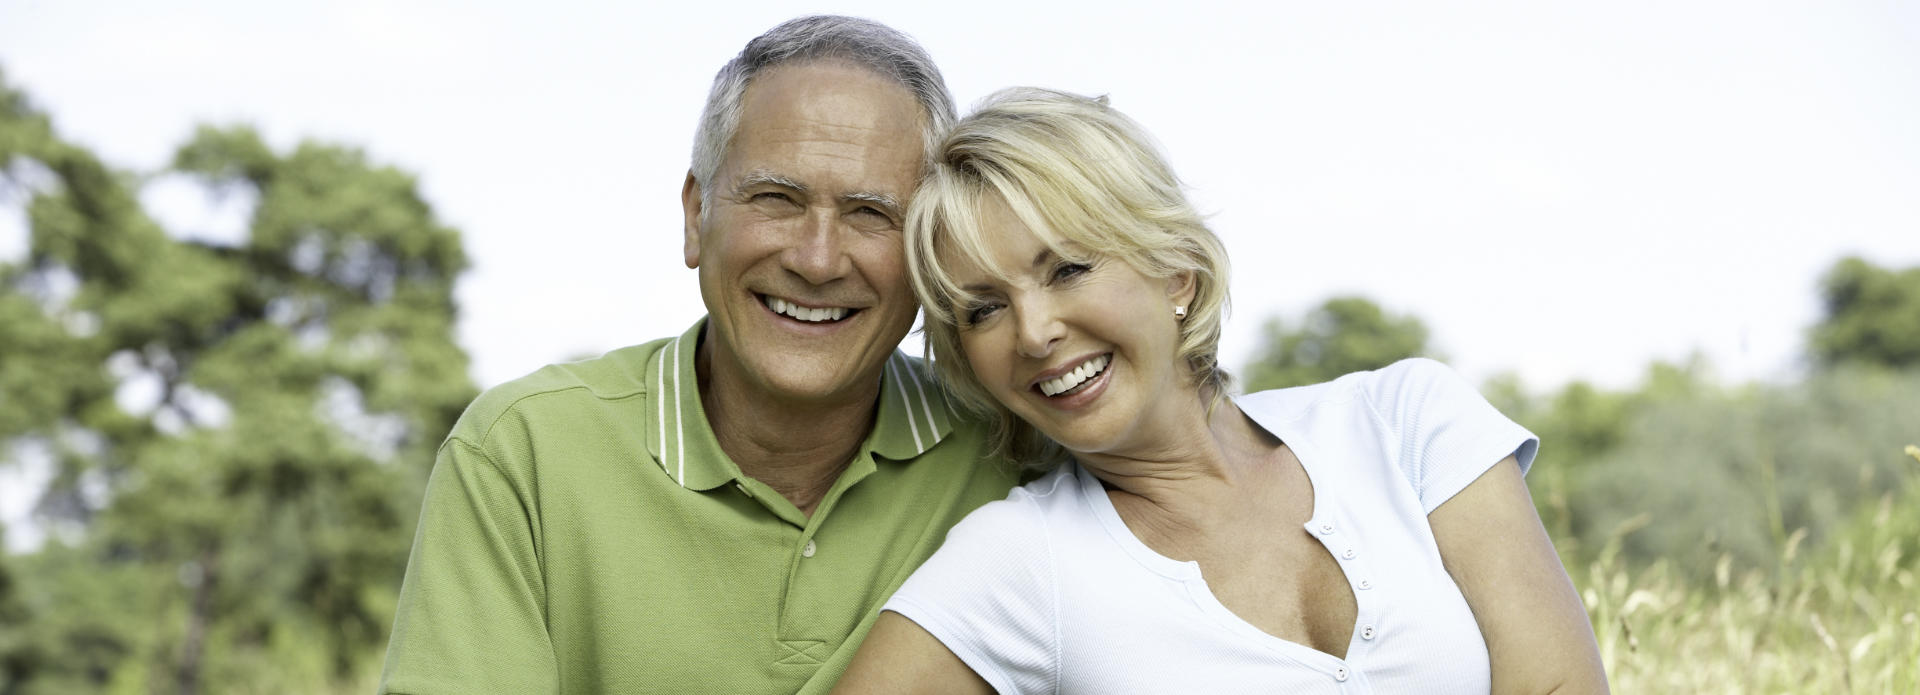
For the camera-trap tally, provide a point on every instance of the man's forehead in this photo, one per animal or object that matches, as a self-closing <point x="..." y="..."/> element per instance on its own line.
<point x="828" y="103"/>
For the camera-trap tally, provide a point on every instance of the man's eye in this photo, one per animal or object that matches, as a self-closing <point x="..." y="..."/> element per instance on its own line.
<point x="869" y="216"/>
<point x="779" y="202"/>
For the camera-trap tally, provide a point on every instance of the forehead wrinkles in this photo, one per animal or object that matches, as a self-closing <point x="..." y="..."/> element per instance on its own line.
<point x="831" y="111"/>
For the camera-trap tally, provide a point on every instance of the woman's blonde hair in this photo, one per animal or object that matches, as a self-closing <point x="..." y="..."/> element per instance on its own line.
<point x="1087" y="181"/>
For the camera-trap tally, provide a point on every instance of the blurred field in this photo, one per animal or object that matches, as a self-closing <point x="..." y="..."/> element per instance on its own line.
<point x="1845" y="619"/>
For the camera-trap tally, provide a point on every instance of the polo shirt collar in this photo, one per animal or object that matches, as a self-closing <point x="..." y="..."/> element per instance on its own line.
<point x="914" y="415"/>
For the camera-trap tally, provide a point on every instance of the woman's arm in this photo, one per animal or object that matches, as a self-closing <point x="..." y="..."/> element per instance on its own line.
<point x="899" y="656"/>
<point x="1538" y="637"/>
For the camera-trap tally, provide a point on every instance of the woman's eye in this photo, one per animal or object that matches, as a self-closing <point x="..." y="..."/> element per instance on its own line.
<point x="1067" y="271"/>
<point x="981" y="312"/>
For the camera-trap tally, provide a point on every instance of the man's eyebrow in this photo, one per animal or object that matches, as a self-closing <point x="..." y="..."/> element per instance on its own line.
<point x="880" y="199"/>
<point x="762" y="177"/>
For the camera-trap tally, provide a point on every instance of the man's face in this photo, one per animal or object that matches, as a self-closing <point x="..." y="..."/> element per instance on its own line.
<point x="801" y="261"/>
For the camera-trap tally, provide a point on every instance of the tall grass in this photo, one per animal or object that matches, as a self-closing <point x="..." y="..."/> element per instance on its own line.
<point x="1844" y="618"/>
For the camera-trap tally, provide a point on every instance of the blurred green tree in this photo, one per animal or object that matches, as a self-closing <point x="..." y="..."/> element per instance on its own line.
<point x="238" y="433"/>
<point x="1343" y="334"/>
<point x="1872" y="316"/>
<point x="1739" y="472"/>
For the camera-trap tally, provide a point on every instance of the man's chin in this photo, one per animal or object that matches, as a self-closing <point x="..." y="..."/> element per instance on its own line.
<point x="823" y="377"/>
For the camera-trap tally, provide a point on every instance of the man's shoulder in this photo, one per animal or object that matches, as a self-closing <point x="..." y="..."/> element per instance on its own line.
<point x="965" y="421"/>
<point x="616" y="376"/>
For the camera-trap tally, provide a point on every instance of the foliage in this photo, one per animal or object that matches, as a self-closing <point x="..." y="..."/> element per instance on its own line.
<point x="1729" y="471"/>
<point x="238" y="433"/>
<point x="1872" y="316"/>
<point x="1344" y="334"/>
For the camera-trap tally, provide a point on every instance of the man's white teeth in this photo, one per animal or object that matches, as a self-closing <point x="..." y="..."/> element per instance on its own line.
<point x="1073" y="379"/>
<point x="802" y="313"/>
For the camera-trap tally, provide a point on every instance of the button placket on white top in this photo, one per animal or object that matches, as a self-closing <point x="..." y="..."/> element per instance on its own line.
<point x="1326" y="529"/>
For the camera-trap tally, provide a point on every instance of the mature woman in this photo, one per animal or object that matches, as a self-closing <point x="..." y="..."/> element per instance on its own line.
<point x="1369" y="534"/>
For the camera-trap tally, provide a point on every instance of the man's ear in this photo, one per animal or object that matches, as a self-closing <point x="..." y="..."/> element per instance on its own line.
<point x="690" y="205"/>
<point x="1182" y="288"/>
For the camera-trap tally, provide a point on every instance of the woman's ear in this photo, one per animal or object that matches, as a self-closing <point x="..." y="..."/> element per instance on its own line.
<point x="1182" y="288"/>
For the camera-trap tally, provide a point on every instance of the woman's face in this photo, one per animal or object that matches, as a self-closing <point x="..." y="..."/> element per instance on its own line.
<point x="1085" y="352"/>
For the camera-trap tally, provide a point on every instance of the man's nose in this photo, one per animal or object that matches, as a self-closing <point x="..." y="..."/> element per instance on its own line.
<point x="818" y="253"/>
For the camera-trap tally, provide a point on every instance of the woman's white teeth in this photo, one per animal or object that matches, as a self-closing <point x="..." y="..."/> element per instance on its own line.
<point x="802" y="313"/>
<point x="1073" y="379"/>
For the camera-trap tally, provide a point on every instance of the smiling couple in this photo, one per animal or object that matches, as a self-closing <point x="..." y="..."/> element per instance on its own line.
<point x="759" y="504"/>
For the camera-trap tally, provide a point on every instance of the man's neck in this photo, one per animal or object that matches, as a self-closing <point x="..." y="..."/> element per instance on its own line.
<point x="798" y="448"/>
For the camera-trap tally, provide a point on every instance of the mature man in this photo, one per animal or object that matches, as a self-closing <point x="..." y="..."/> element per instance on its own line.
<point x="723" y="511"/>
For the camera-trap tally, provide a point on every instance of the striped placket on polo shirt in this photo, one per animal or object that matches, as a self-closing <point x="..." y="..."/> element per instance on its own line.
<point x="821" y="556"/>
<point x="913" y="417"/>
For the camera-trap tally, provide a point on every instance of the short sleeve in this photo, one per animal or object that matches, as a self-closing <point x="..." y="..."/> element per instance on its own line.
<point x="989" y="594"/>
<point x="471" y="616"/>
<point x="1449" y="434"/>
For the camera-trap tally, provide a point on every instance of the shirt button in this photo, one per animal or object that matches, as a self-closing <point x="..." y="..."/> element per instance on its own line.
<point x="1349" y="554"/>
<point x="1326" y="528"/>
<point x="1366" y="632"/>
<point x="1340" y="674"/>
<point x="807" y="551"/>
<point x="1364" y="585"/>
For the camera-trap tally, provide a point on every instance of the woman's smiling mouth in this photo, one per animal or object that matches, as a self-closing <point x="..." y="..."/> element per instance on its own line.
<point x="1074" y="380"/>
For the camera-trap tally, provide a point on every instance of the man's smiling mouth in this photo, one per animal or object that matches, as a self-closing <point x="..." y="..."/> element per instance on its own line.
<point x="806" y="314"/>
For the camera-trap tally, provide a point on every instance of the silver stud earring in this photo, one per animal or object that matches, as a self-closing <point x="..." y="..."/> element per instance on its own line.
<point x="1179" y="312"/>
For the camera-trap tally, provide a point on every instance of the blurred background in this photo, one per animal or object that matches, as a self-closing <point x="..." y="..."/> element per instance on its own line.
<point x="255" y="258"/>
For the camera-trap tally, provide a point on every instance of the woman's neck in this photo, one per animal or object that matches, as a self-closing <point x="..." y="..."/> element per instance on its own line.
<point x="1199" y="458"/>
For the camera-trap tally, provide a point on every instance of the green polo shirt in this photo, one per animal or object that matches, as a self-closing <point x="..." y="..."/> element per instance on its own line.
<point x="584" y="533"/>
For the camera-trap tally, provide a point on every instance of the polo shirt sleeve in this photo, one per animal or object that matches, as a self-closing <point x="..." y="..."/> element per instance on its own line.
<point x="471" y="617"/>
<point x="1449" y="434"/>
<point x="989" y="595"/>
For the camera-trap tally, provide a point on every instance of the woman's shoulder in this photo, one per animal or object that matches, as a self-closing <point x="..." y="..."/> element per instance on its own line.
<point x="1026" y="509"/>
<point x="1000" y="555"/>
<point x="1393" y="388"/>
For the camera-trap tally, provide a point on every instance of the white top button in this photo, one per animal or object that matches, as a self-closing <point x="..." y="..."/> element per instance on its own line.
<point x="1364" y="584"/>
<point x="1340" y="674"/>
<point x="1326" y="528"/>
<point x="807" y="551"/>
<point x="1366" y="632"/>
<point x="1348" y="554"/>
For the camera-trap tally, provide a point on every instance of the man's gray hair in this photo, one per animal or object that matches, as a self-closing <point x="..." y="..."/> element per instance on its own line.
<point x="863" y="42"/>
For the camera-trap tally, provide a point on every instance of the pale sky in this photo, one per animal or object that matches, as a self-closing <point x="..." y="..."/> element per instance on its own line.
<point x="1567" y="190"/>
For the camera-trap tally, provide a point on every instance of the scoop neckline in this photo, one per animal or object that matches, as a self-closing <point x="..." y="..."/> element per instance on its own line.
<point x="1188" y="573"/>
